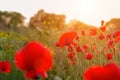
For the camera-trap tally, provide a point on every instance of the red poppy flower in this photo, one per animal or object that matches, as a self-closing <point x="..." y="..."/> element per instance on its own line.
<point x="70" y="48"/>
<point x="72" y="58"/>
<point x="103" y="28"/>
<point x="5" y="67"/>
<point x="108" y="72"/>
<point x="102" y="36"/>
<point x="34" y="59"/>
<point x="109" y="36"/>
<point x="110" y="42"/>
<point x="116" y="34"/>
<point x="88" y="56"/>
<point x="85" y="47"/>
<point x="71" y="55"/>
<point x="102" y="22"/>
<point x="78" y="49"/>
<point x="109" y="56"/>
<point x="67" y="39"/>
<point x="93" y="31"/>
<point x="83" y="32"/>
<point x="117" y="39"/>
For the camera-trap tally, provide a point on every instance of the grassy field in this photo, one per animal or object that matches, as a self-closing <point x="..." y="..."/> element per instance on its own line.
<point x="10" y="42"/>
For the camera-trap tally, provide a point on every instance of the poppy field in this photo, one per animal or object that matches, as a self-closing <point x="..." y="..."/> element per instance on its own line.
<point x="51" y="54"/>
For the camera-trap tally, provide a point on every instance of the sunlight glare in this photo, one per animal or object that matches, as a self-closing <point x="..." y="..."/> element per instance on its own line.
<point x="87" y="6"/>
<point x="84" y="10"/>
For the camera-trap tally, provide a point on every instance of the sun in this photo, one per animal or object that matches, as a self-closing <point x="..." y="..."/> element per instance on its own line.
<point x="84" y="10"/>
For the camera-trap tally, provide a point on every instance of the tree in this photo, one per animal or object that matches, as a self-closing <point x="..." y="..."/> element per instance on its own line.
<point x="113" y="24"/>
<point x="47" y="20"/>
<point x="11" y="20"/>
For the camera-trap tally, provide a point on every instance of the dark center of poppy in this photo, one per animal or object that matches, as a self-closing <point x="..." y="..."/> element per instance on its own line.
<point x="3" y="69"/>
<point x="36" y="77"/>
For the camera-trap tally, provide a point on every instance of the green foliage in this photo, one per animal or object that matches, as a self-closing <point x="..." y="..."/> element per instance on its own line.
<point x="11" y="20"/>
<point x="10" y="42"/>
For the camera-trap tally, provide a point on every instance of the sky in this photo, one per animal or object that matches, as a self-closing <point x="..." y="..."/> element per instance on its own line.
<point x="87" y="11"/>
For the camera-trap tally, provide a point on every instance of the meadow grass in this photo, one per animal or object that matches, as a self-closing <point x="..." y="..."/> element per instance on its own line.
<point x="10" y="42"/>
